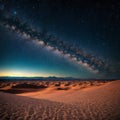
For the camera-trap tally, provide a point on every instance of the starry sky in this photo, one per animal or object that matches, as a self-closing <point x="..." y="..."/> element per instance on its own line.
<point x="62" y="38"/>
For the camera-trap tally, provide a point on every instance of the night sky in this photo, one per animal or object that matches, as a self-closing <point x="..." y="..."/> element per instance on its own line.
<point x="62" y="38"/>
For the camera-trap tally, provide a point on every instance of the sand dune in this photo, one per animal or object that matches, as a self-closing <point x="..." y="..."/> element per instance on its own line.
<point x="61" y="101"/>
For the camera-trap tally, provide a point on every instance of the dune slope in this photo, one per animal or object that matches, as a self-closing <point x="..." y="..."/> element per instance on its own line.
<point x="99" y="103"/>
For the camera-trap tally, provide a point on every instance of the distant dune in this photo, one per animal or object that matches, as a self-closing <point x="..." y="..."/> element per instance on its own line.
<point x="60" y="100"/>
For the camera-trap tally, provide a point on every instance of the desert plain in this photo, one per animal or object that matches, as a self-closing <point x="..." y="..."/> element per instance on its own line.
<point x="60" y="100"/>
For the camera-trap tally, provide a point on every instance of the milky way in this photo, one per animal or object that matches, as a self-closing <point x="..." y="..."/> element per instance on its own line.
<point x="54" y="44"/>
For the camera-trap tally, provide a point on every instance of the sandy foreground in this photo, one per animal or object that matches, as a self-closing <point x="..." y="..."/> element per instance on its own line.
<point x="60" y="100"/>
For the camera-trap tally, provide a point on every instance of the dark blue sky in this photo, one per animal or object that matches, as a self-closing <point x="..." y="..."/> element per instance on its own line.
<point x="91" y="27"/>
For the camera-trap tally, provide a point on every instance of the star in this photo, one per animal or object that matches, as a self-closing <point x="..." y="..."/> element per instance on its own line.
<point x="15" y="12"/>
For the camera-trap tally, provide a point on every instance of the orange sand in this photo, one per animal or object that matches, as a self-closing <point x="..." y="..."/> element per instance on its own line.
<point x="60" y="101"/>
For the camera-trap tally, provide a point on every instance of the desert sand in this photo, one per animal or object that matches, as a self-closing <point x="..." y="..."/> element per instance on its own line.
<point x="60" y="100"/>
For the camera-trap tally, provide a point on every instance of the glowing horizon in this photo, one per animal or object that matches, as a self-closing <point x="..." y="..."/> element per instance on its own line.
<point x="23" y="74"/>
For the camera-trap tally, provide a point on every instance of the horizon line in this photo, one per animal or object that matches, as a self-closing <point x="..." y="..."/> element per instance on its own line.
<point x="57" y="77"/>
